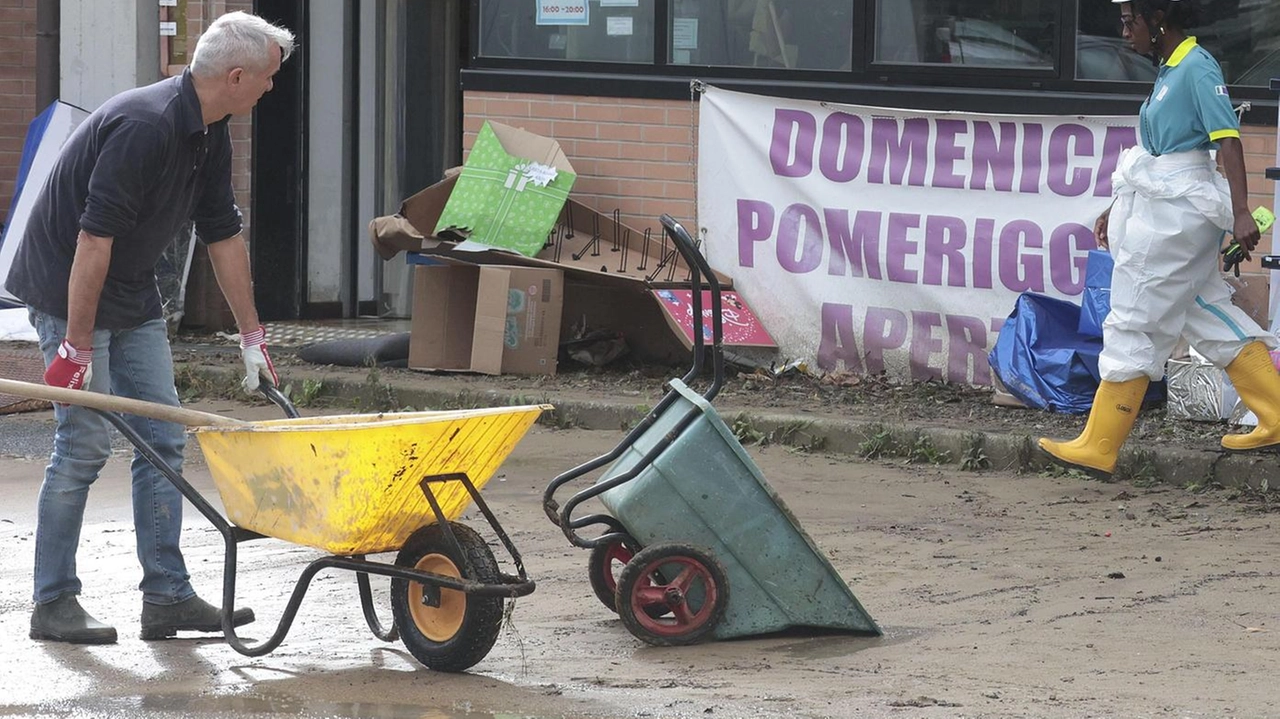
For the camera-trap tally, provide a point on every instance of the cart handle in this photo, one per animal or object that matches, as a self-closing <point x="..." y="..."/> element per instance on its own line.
<point x="273" y="393"/>
<point x="698" y="268"/>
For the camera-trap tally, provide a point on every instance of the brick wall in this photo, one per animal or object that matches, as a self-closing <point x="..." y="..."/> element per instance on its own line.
<point x="1260" y="153"/>
<point x="17" y="90"/>
<point x="631" y="155"/>
<point x="637" y="155"/>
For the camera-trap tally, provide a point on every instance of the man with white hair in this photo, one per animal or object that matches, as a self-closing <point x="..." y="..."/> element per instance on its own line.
<point x="132" y="175"/>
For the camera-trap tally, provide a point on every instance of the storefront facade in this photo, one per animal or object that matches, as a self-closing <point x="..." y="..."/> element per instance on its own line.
<point x="384" y="95"/>
<point x="616" y="90"/>
<point x="610" y="80"/>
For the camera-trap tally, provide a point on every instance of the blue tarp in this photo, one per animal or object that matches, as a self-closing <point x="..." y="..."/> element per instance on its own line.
<point x="1042" y="358"/>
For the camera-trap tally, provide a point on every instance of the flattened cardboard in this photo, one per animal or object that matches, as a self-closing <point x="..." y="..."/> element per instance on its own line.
<point x="739" y="325"/>
<point x="658" y="259"/>
<point x="391" y="236"/>
<point x="1251" y="292"/>
<point x="595" y="289"/>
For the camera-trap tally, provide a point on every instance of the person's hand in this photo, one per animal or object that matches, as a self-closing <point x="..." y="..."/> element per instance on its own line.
<point x="1100" y="230"/>
<point x="1246" y="232"/>
<point x="71" y="369"/>
<point x="257" y="363"/>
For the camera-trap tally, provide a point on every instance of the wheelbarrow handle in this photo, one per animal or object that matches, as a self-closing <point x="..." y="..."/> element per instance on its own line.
<point x="273" y="393"/>
<point x="112" y="403"/>
<point x="698" y="269"/>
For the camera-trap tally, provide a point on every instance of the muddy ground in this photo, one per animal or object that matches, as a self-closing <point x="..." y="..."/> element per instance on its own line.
<point x="1000" y="595"/>
<point x="858" y="398"/>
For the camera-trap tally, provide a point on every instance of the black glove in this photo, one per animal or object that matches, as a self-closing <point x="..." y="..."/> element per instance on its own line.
<point x="1232" y="257"/>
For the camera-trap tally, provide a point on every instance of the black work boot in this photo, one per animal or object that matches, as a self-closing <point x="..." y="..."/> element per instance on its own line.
<point x="64" y="620"/>
<point x="161" y="621"/>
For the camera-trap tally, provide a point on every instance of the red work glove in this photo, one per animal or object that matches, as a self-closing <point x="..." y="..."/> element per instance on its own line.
<point x="257" y="363"/>
<point x="71" y="369"/>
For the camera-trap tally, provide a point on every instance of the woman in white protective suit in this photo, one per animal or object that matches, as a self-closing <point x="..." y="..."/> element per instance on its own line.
<point x="1164" y="230"/>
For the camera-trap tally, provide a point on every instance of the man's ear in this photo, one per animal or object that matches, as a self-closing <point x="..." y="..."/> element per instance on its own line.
<point x="235" y="76"/>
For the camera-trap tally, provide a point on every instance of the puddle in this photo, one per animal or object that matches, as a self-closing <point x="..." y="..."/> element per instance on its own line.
<point x="255" y="704"/>
<point x="827" y="646"/>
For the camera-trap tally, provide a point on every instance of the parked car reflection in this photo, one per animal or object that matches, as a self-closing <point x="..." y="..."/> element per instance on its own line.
<point x="965" y="41"/>
<point x="1262" y="71"/>
<point x="1111" y="58"/>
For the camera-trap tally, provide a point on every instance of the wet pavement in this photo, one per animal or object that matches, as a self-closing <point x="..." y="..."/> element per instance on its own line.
<point x="257" y="704"/>
<point x="1002" y="596"/>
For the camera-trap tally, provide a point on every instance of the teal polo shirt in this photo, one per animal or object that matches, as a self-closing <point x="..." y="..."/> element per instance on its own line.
<point x="1189" y="108"/>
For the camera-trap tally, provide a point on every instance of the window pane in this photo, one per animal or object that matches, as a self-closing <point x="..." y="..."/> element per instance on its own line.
<point x="796" y="34"/>
<point x="1244" y="35"/>
<point x="1012" y="33"/>
<point x="617" y="31"/>
<point x="1101" y="54"/>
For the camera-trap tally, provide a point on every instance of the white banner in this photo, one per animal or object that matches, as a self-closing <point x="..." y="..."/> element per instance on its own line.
<point x="875" y="240"/>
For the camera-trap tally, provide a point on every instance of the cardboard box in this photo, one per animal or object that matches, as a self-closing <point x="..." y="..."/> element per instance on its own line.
<point x="490" y="319"/>
<point x="510" y="191"/>
<point x="1252" y="293"/>
<point x="604" y="289"/>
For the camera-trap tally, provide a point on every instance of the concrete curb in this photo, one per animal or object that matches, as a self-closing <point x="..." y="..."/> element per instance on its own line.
<point x="964" y="450"/>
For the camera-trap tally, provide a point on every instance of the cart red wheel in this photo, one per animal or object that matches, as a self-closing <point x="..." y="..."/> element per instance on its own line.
<point x="603" y="567"/>
<point x="606" y="562"/>
<point x="688" y="583"/>
<point x="459" y="631"/>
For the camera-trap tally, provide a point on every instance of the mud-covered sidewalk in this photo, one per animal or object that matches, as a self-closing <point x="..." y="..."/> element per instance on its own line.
<point x="862" y="416"/>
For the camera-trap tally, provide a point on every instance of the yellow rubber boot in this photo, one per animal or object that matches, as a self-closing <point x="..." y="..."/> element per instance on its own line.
<point x="1258" y="383"/>
<point x="1115" y="409"/>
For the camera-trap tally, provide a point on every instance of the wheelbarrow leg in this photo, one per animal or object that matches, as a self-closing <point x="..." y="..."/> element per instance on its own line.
<point x="386" y="634"/>
<point x="484" y="509"/>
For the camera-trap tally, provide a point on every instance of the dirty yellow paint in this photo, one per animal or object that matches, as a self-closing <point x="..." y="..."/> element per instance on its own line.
<point x="349" y="484"/>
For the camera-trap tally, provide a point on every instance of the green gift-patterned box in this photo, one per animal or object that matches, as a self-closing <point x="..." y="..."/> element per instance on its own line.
<point x="510" y="192"/>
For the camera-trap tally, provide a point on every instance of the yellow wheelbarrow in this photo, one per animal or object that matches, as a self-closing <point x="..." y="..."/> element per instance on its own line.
<point x="351" y="486"/>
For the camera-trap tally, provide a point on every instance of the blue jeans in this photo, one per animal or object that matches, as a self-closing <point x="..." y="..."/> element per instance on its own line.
<point x="135" y="363"/>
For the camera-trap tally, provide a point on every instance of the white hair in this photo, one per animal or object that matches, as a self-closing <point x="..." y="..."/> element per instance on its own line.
<point x="238" y="39"/>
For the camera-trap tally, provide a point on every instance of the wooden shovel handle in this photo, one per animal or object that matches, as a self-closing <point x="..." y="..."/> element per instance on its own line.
<point x="111" y="403"/>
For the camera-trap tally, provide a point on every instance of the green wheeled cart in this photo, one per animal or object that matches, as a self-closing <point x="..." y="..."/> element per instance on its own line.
<point x="693" y="523"/>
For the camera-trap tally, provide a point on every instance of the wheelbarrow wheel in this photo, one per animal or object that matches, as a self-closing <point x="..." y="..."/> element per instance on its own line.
<point x="687" y="583"/>
<point x="459" y="632"/>
<point x="603" y="568"/>
<point x="606" y="561"/>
